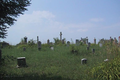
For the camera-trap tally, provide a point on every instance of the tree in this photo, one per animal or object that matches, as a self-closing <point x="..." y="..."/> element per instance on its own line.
<point x="9" y="10"/>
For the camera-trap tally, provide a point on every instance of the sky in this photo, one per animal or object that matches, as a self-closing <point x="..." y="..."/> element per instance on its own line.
<point x="74" y="18"/>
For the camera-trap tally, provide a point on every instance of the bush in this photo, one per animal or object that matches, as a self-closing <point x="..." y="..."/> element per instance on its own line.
<point x="31" y="42"/>
<point x="107" y="71"/>
<point x="21" y="46"/>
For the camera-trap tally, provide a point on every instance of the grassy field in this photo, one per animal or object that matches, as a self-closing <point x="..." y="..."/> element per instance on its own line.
<point x="57" y="64"/>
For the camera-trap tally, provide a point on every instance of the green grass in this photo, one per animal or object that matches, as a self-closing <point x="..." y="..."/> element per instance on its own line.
<point x="57" y="64"/>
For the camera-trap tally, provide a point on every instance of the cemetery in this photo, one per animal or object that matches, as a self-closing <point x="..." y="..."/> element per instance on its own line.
<point x="61" y="60"/>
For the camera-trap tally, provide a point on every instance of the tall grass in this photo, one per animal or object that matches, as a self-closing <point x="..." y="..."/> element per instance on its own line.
<point x="57" y="64"/>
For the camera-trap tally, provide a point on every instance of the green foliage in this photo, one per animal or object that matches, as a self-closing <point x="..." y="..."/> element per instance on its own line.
<point x="31" y="42"/>
<point x="9" y="10"/>
<point x="79" y="50"/>
<point x="107" y="71"/>
<point x="74" y="48"/>
<point x="21" y="46"/>
<point x="57" y="41"/>
<point x="112" y="50"/>
<point x="48" y="63"/>
<point x="94" y="44"/>
<point x="45" y="45"/>
<point x="2" y="71"/>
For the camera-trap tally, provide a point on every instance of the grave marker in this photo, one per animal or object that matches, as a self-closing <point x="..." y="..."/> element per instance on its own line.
<point x="110" y="38"/>
<point x="60" y="36"/>
<point x="48" y="41"/>
<point x="86" y="40"/>
<point x="77" y="42"/>
<point x="25" y="40"/>
<point x="39" y="45"/>
<point x="52" y="48"/>
<point x="21" y="62"/>
<point x="37" y="39"/>
<point x="68" y="43"/>
<point x="94" y="41"/>
<point x="100" y="44"/>
<point x="24" y="49"/>
<point x="106" y="60"/>
<point x="93" y="50"/>
<point x="87" y="48"/>
<point x="89" y="44"/>
<point x="63" y="41"/>
<point x="84" y="61"/>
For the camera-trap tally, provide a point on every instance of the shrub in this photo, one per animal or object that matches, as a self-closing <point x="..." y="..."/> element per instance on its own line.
<point x="21" y="46"/>
<point x="74" y="49"/>
<point x="107" y="71"/>
<point x="31" y="42"/>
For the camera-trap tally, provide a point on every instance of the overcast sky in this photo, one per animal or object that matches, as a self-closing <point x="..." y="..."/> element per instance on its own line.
<point x="74" y="18"/>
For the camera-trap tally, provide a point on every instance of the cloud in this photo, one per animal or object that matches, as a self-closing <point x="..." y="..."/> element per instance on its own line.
<point x="97" y="19"/>
<point x="36" y="17"/>
<point x="45" y="25"/>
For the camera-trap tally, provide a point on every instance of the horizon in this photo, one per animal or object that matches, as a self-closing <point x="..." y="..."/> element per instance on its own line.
<point x="71" y="42"/>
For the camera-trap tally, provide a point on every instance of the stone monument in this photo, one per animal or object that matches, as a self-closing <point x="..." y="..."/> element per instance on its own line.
<point x="48" y="41"/>
<point x="94" y="41"/>
<point x="60" y="36"/>
<point x="39" y="45"/>
<point x="25" y="40"/>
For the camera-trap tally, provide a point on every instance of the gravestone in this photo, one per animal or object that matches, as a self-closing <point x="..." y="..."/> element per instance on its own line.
<point x="24" y="49"/>
<point x="21" y="62"/>
<point x="37" y="39"/>
<point x="93" y="50"/>
<point x="39" y="45"/>
<point x="89" y="44"/>
<point x="63" y="41"/>
<point x="52" y="48"/>
<point x="84" y="61"/>
<point x="100" y="44"/>
<point x="68" y="43"/>
<point x="87" y="48"/>
<point x="86" y="40"/>
<point x="94" y="41"/>
<point x="48" y="41"/>
<point x="106" y="60"/>
<point x="25" y="40"/>
<point x="60" y="36"/>
<point x="77" y="42"/>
